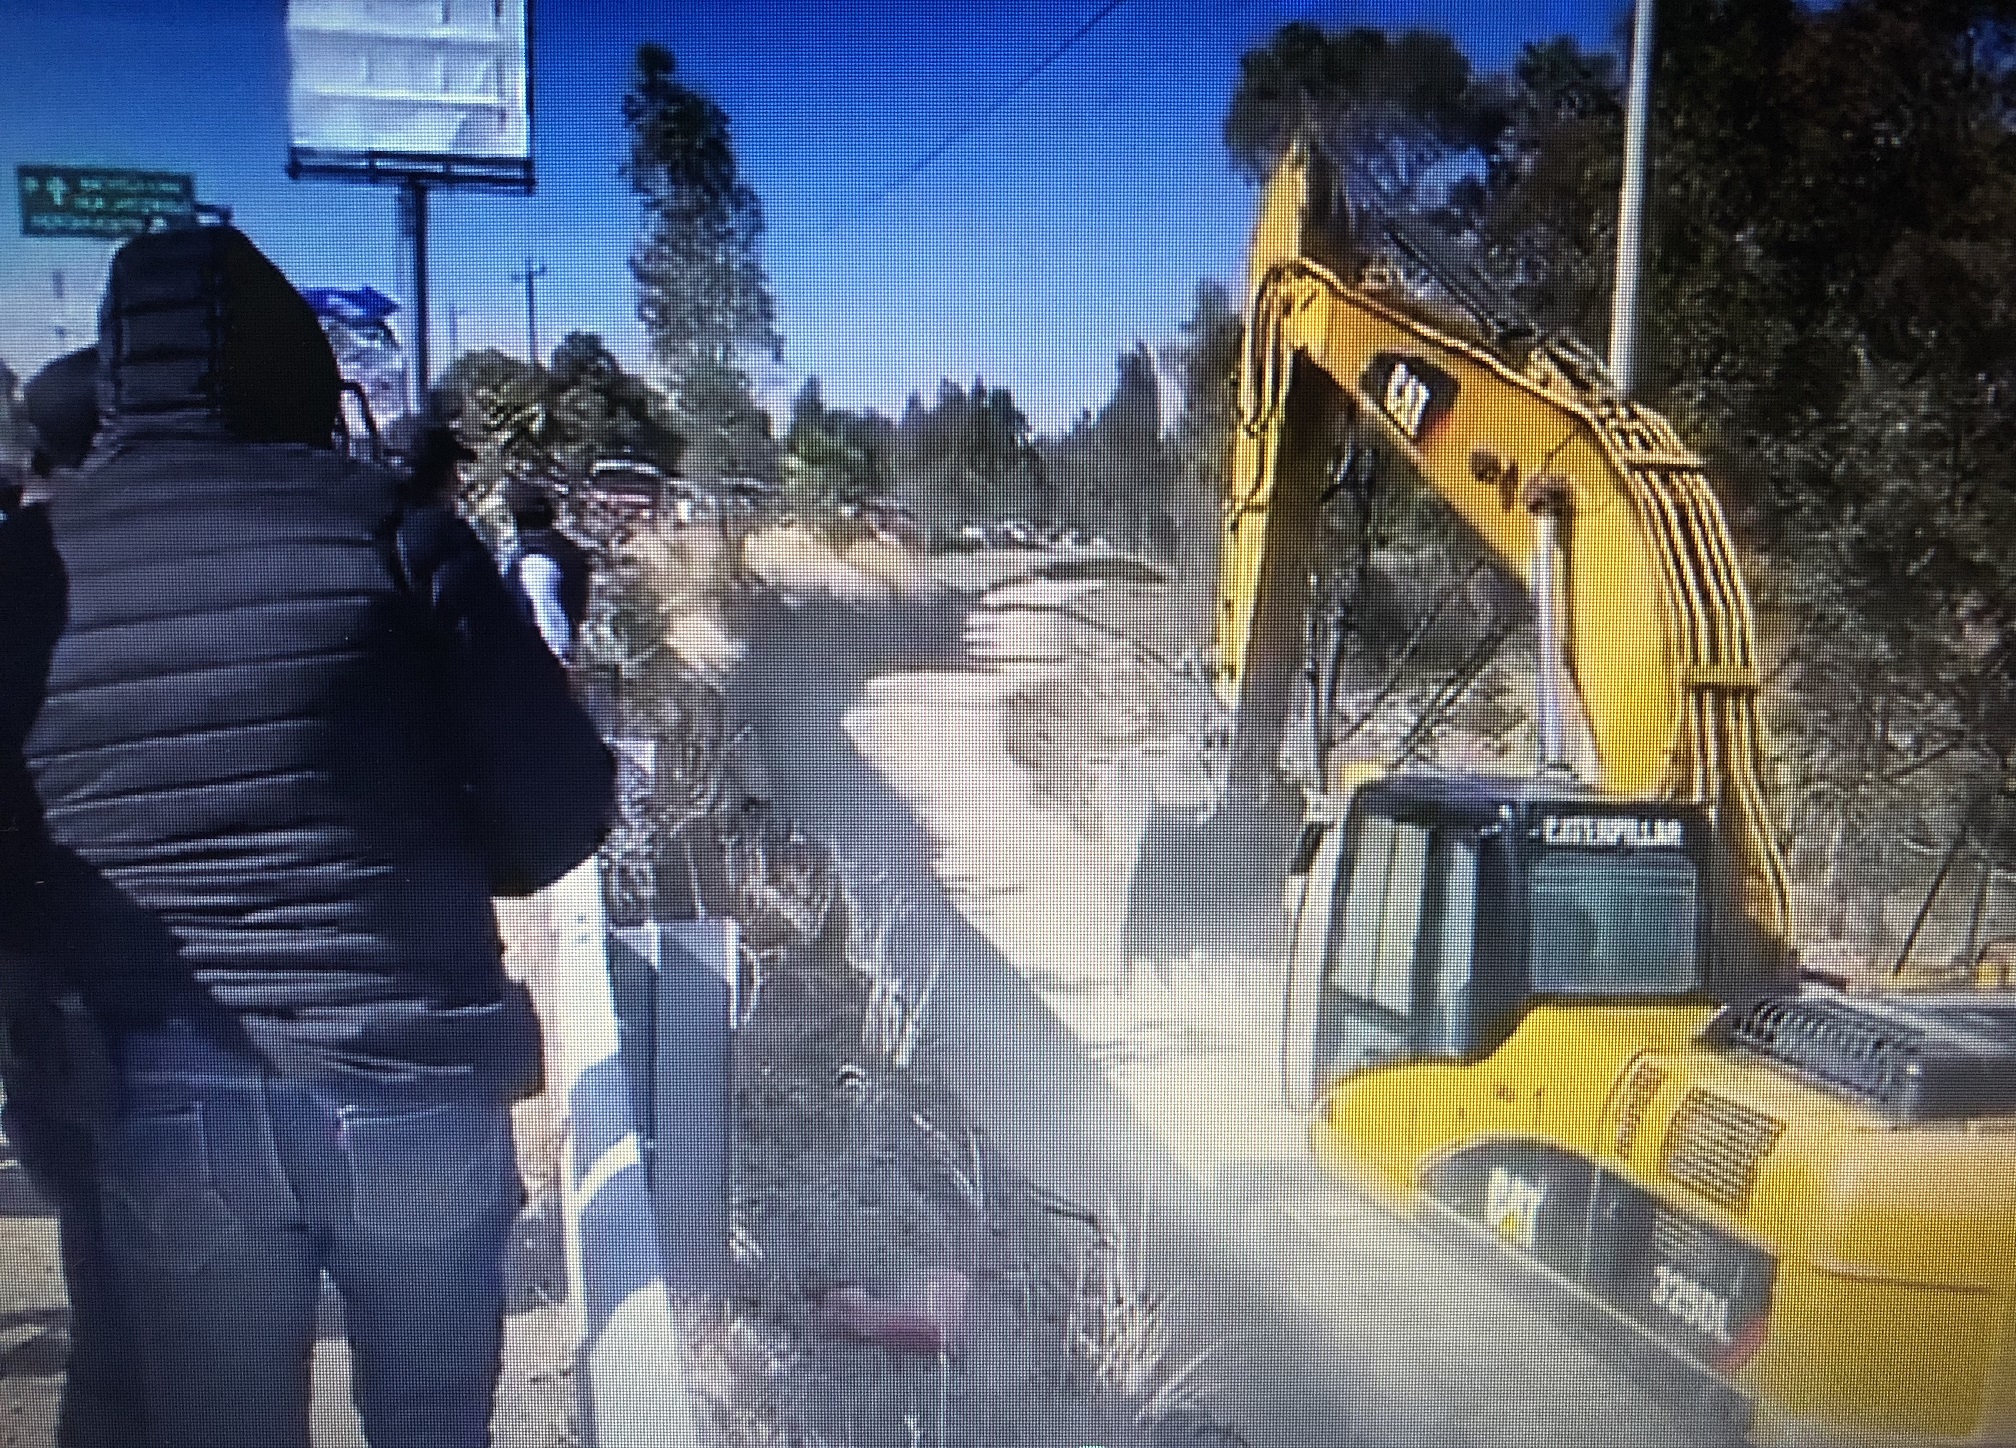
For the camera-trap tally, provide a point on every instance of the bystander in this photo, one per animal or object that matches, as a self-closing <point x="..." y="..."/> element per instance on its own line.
<point x="47" y="1062"/>
<point x="548" y="571"/>
<point x="289" y="736"/>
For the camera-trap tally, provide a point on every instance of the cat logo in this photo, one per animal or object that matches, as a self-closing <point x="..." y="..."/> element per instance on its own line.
<point x="1413" y="394"/>
<point x="1512" y="1207"/>
<point x="1611" y="832"/>
<point x="1406" y="399"/>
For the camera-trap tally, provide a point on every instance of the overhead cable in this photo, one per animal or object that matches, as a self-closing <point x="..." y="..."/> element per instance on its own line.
<point x="993" y="107"/>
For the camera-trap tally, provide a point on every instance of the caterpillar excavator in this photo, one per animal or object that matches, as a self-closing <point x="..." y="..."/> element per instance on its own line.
<point x="1563" y="1009"/>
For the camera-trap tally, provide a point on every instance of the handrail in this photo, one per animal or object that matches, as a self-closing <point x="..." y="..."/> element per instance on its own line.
<point x="633" y="1368"/>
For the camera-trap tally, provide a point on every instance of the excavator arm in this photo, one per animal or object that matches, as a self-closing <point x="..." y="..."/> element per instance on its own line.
<point x="1654" y="624"/>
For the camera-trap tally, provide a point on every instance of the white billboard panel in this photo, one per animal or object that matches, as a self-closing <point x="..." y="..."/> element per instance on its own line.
<point x="443" y="80"/>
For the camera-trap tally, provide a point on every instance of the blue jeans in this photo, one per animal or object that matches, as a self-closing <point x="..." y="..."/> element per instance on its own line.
<point x="102" y="1398"/>
<point x="228" y="1192"/>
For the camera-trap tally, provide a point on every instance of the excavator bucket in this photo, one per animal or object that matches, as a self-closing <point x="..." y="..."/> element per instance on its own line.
<point x="1211" y="883"/>
<point x="1211" y="886"/>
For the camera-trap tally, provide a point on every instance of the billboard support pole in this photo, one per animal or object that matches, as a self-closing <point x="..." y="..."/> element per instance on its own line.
<point x="413" y="236"/>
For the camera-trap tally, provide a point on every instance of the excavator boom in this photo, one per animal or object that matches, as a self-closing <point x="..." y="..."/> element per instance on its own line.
<point x="1657" y="632"/>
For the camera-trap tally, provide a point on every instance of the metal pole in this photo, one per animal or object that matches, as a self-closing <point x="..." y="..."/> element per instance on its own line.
<point x="1547" y="501"/>
<point x="1547" y="617"/>
<point x="530" y="276"/>
<point x="1631" y="208"/>
<point x="413" y="232"/>
<point x="532" y="309"/>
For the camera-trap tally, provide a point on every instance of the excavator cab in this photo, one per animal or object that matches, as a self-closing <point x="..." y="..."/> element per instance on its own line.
<point x="1430" y="912"/>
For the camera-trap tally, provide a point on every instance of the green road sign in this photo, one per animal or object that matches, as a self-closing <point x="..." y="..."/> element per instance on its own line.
<point x="96" y="201"/>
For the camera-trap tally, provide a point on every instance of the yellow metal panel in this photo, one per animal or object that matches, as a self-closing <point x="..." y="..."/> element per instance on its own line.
<point x="1892" y="1313"/>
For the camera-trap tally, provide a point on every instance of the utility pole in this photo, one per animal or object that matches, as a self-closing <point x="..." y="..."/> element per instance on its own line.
<point x="62" y="311"/>
<point x="530" y="276"/>
<point x="1631" y="207"/>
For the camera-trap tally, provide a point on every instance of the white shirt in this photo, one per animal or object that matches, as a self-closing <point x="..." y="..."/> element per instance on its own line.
<point x="539" y="576"/>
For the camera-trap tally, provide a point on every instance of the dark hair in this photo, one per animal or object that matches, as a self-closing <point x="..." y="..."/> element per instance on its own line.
<point x="62" y="405"/>
<point x="528" y="505"/>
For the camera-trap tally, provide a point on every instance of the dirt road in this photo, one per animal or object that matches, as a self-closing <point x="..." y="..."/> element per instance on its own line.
<point x="1148" y="1102"/>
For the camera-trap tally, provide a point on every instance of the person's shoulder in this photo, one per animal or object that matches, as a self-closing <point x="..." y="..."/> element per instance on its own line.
<point x="436" y="544"/>
<point x="338" y="480"/>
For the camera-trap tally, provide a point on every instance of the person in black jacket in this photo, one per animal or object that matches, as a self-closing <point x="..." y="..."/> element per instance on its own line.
<point x="291" y="737"/>
<point x="46" y="1093"/>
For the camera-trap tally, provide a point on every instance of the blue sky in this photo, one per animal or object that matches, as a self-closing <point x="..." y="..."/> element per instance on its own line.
<point x="1075" y="221"/>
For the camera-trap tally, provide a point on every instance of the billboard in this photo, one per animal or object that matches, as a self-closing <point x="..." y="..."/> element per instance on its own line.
<point x="435" y="90"/>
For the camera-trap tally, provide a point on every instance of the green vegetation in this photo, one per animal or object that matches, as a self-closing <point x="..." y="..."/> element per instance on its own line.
<point x="1112" y="472"/>
<point x="558" y="421"/>
<point x="835" y="460"/>
<point x="969" y="454"/>
<point x="702" y="293"/>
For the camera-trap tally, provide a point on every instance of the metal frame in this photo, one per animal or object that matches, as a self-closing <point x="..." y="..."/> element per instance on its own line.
<point x="415" y="173"/>
<point x="488" y="173"/>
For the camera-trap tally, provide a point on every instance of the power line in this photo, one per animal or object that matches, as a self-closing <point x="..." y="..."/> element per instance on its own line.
<point x="993" y="107"/>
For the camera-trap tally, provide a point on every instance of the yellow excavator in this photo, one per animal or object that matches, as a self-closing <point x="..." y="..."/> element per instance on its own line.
<point x="1563" y="1008"/>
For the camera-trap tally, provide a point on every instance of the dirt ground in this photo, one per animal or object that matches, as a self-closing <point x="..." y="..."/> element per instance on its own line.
<point x="906" y="1284"/>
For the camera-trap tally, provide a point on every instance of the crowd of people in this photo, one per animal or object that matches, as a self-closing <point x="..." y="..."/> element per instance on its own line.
<point x="275" y="728"/>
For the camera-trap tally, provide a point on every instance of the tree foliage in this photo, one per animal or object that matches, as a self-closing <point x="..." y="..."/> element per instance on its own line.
<point x="969" y="453"/>
<point x="728" y="431"/>
<point x="558" y="421"/>
<point x="1830" y="308"/>
<point x="834" y="460"/>
<point x="702" y="292"/>
<point x="1112" y="473"/>
<point x="1389" y="109"/>
<point x="1204" y="360"/>
<point x="1833" y="294"/>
